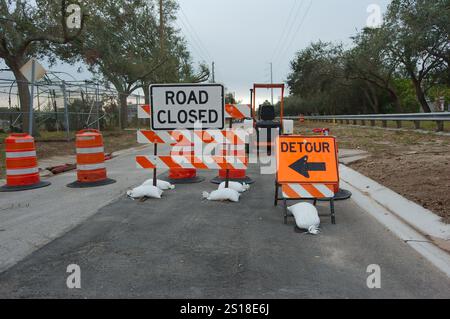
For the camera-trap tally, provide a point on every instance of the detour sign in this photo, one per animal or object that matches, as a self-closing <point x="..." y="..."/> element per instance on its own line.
<point x="307" y="159"/>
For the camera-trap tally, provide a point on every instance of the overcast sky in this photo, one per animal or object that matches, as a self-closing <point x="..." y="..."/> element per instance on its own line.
<point x="243" y="36"/>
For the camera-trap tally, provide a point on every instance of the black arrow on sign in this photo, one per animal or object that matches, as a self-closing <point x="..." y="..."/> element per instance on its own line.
<point x="303" y="167"/>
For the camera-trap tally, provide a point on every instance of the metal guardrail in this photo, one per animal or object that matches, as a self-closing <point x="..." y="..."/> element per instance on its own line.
<point x="417" y="118"/>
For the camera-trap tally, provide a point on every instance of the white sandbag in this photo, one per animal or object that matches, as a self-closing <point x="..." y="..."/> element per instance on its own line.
<point x="238" y="187"/>
<point x="163" y="185"/>
<point x="223" y="195"/>
<point x="306" y="217"/>
<point x="149" y="191"/>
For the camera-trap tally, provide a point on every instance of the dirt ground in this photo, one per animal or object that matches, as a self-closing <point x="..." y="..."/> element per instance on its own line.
<point x="413" y="164"/>
<point x="53" y="144"/>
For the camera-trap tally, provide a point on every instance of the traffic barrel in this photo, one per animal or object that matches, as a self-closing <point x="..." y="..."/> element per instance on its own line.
<point x="91" y="169"/>
<point x="234" y="175"/>
<point x="22" y="172"/>
<point x="183" y="175"/>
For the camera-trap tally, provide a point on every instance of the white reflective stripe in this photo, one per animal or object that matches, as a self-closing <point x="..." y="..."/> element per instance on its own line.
<point x="301" y="191"/>
<point x="90" y="167"/>
<point x="324" y="190"/>
<point x="86" y="138"/>
<point x="22" y="171"/>
<point x="90" y="150"/>
<point x="142" y="114"/>
<point x="20" y="154"/>
<point x="31" y="140"/>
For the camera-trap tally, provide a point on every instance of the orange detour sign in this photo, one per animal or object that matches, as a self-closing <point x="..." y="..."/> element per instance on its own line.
<point x="307" y="160"/>
<point x="307" y="168"/>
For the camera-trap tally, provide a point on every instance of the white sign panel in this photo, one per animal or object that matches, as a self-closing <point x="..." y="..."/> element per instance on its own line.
<point x="185" y="106"/>
<point x="27" y="70"/>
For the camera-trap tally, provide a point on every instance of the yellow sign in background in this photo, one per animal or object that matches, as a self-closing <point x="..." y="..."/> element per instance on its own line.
<point x="307" y="159"/>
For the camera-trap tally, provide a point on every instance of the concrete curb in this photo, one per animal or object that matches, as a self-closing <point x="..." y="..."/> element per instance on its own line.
<point x="415" y="225"/>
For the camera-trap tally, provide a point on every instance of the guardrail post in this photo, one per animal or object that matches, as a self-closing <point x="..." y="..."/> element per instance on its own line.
<point x="347" y="122"/>
<point x="384" y="123"/>
<point x="355" y="122"/>
<point x="372" y="123"/>
<point x="440" y="126"/>
<point x="417" y="125"/>
<point x="399" y="124"/>
<point x="363" y="122"/>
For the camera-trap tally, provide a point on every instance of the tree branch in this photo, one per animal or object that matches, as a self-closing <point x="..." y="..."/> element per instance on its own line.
<point x="50" y="38"/>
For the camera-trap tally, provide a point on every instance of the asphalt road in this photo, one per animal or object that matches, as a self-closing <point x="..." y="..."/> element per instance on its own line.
<point x="183" y="247"/>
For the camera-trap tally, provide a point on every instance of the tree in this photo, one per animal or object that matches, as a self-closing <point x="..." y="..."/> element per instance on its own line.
<point x="318" y="78"/>
<point x="112" y="46"/>
<point x="367" y="62"/>
<point x="178" y="63"/>
<point x="24" y="27"/>
<point x="418" y="32"/>
<point x="123" y="45"/>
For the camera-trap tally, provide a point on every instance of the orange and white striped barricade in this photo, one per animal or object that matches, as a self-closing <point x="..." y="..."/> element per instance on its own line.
<point x="238" y="111"/>
<point x="203" y="162"/>
<point x="183" y="175"/>
<point x="183" y="144"/>
<point x="22" y="172"/>
<point x="234" y="148"/>
<point x="91" y="169"/>
<point x="307" y="169"/>
<point x="143" y="111"/>
<point x="235" y="175"/>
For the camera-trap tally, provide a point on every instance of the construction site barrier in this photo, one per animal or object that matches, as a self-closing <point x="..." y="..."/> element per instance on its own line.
<point x="91" y="169"/>
<point x="22" y="172"/>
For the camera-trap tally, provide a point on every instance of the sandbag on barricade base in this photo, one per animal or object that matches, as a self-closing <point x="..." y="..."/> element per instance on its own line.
<point x="238" y="187"/>
<point x="306" y="217"/>
<point x="221" y="195"/>
<point x="148" y="191"/>
<point x="162" y="185"/>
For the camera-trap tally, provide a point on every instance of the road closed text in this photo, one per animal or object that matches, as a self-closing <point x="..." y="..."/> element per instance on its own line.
<point x="187" y="107"/>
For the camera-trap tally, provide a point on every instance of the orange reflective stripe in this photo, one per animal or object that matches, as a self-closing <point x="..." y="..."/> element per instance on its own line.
<point x="21" y="162"/>
<point x="289" y="192"/>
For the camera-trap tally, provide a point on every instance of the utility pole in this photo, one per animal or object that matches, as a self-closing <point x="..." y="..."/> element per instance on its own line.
<point x="161" y="26"/>
<point x="213" y="73"/>
<point x="271" y="81"/>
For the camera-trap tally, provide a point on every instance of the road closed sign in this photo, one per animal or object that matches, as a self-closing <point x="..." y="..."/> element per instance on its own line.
<point x="307" y="159"/>
<point x="186" y="106"/>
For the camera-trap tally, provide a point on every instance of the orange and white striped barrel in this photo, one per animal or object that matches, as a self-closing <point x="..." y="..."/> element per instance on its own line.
<point x="179" y="174"/>
<point x="21" y="161"/>
<point x="237" y="150"/>
<point x="90" y="156"/>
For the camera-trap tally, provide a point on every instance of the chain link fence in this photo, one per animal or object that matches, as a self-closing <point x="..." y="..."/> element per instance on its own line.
<point x="67" y="107"/>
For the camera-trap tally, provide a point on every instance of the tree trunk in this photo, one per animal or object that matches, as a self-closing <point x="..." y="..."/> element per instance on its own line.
<point x="123" y="96"/>
<point x="395" y="100"/>
<point x="421" y="96"/>
<point x="24" y="97"/>
<point x="146" y="89"/>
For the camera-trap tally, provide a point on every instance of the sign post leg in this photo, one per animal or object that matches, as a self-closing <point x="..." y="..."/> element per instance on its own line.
<point x="285" y="210"/>
<point x="276" y="194"/>
<point x="333" y="214"/>
<point x="155" y="152"/>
